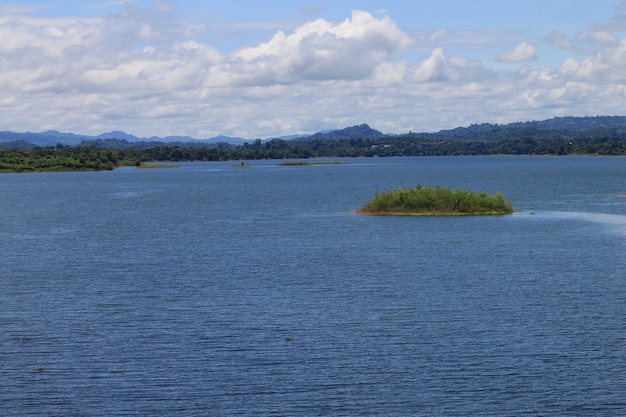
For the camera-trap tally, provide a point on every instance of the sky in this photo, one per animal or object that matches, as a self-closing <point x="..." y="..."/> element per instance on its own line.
<point x="262" y="69"/>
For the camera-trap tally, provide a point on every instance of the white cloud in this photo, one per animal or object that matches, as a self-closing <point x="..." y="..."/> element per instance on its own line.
<point x="521" y="53"/>
<point x="149" y="73"/>
<point x="602" y="37"/>
<point x="434" y="68"/>
<point x="559" y="41"/>
<point x="321" y="50"/>
<point x="390" y="73"/>
<point x="605" y="66"/>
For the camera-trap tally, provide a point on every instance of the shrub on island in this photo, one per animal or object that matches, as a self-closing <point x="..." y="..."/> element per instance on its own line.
<point x="436" y="201"/>
<point x="306" y="163"/>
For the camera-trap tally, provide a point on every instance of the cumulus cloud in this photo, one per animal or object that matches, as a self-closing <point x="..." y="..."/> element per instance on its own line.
<point x="604" y="66"/>
<point x="141" y="57"/>
<point x="521" y="53"/>
<point x="433" y="68"/>
<point x="321" y="50"/>
<point x="149" y="73"/>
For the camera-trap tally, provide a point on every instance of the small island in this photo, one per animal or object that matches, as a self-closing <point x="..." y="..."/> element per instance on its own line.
<point x="436" y="201"/>
<point x="155" y="166"/>
<point x="306" y="163"/>
<point x="242" y="165"/>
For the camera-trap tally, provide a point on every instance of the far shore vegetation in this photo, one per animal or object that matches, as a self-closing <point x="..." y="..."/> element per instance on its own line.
<point x="561" y="136"/>
<point x="436" y="201"/>
<point x="78" y="158"/>
<point x="306" y="163"/>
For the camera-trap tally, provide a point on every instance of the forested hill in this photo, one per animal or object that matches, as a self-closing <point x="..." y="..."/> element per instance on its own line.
<point x="558" y="126"/>
<point x="355" y="132"/>
<point x="576" y="124"/>
<point x="551" y="128"/>
<point x="603" y="135"/>
<point x="568" y="125"/>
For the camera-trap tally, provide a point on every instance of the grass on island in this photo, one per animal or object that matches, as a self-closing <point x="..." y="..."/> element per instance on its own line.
<point x="436" y="201"/>
<point x="140" y="164"/>
<point x="156" y="166"/>
<point x="305" y="163"/>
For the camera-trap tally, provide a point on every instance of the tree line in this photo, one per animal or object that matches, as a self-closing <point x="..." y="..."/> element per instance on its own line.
<point x="382" y="147"/>
<point x="103" y="155"/>
<point x="75" y="158"/>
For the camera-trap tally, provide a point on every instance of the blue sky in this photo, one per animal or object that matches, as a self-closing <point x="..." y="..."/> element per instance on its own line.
<point x="266" y="69"/>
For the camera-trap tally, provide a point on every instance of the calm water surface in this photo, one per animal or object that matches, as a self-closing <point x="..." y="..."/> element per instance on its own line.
<point x="210" y="290"/>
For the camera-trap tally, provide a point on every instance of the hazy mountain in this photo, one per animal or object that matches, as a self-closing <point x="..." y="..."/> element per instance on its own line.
<point x="361" y="131"/>
<point x="15" y="140"/>
<point x="227" y="139"/>
<point x="290" y="137"/>
<point x="52" y="138"/>
<point x="57" y="134"/>
<point x="116" y="134"/>
<point x="49" y="138"/>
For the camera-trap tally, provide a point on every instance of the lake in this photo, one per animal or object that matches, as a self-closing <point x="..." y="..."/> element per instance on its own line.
<point x="213" y="290"/>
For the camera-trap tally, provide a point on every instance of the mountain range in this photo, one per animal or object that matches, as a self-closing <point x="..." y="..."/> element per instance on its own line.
<point x="53" y="137"/>
<point x="569" y="123"/>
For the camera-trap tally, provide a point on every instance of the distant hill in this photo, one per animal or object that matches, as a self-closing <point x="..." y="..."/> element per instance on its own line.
<point x="232" y="140"/>
<point x="483" y="131"/>
<point x="361" y="131"/>
<point x="116" y="134"/>
<point x="172" y="139"/>
<point x="114" y="139"/>
<point x="576" y="124"/>
<point x="489" y="131"/>
<point x="49" y="138"/>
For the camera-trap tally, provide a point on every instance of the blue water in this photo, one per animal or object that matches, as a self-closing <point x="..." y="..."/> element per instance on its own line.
<point x="210" y="290"/>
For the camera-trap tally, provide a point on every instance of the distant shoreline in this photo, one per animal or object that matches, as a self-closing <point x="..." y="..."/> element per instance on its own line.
<point x="71" y="159"/>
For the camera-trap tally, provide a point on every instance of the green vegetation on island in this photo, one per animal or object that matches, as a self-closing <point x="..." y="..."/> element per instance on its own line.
<point x="305" y="163"/>
<point x="77" y="158"/>
<point x="242" y="165"/>
<point x="155" y="166"/>
<point x="436" y="201"/>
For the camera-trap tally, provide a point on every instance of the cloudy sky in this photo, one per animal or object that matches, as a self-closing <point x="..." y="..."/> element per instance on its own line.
<point x="260" y="69"/>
